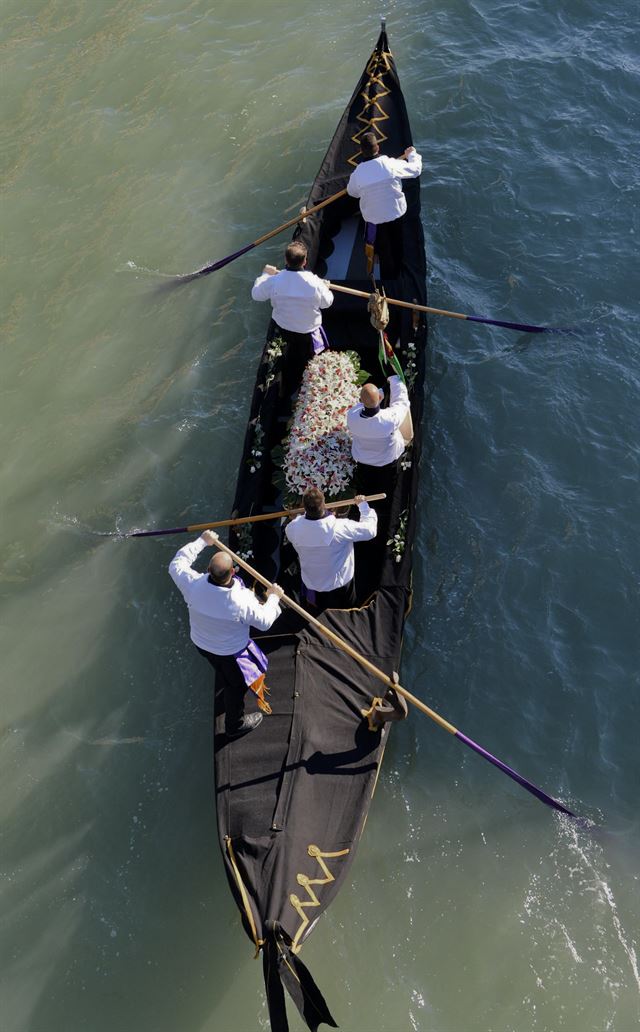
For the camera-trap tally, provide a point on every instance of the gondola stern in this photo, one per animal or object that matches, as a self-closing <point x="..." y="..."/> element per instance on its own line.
<point x="282" y="970"/>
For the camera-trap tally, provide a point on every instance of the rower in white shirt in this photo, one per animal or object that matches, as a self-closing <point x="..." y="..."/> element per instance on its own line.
<point x="221" y="612"/>
<point x="325" y="548"/>
<point x="377" y="182"/>
<point x="376" y="440"/>
<point x="297" y="298"/>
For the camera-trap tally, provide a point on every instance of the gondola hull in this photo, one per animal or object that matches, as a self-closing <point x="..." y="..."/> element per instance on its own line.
<point x="293" y="796"/>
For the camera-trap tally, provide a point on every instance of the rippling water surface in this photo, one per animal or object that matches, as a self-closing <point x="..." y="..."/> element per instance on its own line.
<point x="145" y="138"/>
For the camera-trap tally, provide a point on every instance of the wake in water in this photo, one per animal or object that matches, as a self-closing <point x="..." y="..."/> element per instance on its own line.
<point x="69" y="522"/>
<point x="592" y="861"/>
<point x="584" y="954"/>
<point x="168" y="280"/>
<point x="131" y="266"/>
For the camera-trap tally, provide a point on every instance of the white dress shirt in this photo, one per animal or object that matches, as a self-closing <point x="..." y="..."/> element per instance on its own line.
<point x="296" y="298"/>
<point x="376" y="440"/>
<point x="378" y="185"/>
<point x="220" y="618"/>
<point x="325" y="547"/>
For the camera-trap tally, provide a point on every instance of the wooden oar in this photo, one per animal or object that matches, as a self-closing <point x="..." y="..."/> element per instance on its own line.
<point x="390" y="683"/>
<point x="521" y="327"/>
<point x="245" y="519"/>
<point x="206" y="269"/>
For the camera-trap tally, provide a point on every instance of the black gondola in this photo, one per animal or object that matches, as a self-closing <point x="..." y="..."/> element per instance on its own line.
<point x="293" y="796"/>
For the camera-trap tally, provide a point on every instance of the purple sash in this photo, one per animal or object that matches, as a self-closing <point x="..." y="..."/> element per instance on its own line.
<point x="252" y="663"/>
<point x="370" y="230"/>
<point x="319" y="340"/>
<point x="308" y="594"/>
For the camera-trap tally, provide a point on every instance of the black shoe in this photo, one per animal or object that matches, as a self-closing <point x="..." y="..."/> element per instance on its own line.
<point x="246" y="724"/>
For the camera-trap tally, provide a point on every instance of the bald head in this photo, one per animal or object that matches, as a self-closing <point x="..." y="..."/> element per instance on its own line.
<point x="369" y="396"/>
<point x="220" y="568"/>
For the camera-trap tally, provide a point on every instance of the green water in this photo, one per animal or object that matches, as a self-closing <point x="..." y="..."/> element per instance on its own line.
<point x="141" y="139"/>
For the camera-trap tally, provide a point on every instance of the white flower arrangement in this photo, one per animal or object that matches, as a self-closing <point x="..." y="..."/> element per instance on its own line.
<point x="257" y="447"/>
<point x="411" y="368"/>
<point x="272" y="354"/>
<point x="244" y="536"/>
<point x="317" y="452"/>
<point x="405" y="459"/>
<point x="398" y="541"/>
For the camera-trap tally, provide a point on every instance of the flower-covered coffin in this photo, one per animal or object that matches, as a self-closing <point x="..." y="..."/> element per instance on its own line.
<point x="317" y="452"/>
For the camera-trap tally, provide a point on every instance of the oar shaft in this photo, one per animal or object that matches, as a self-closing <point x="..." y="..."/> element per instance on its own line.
<point x="400" y="304"/>
<point x="288" y="512"/>
<point x="381" y="676"/>
<point x="519" y="327"/>
<point x="222" y="262"/>
<point x="298" y="218"/>
<point x="193" y="527"/>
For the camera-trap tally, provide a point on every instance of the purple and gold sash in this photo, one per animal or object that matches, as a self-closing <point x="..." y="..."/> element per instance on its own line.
<point x="253" y="664"/>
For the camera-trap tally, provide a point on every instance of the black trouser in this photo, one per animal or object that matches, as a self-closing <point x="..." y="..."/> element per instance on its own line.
<point x="340" y="598"/>
<point x="377" y="480"/>
<point x="297" y="353"/>
<point x="389" y="248"/>
<point x="233" y="685"/>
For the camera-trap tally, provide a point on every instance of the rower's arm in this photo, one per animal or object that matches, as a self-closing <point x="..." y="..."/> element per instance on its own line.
<point x="325" y="296"/>
<point x="398" y="400"/>
<point x="180" y="567"/>
<point x="364" y="530"/>
<point x="352" y="188"/>
<point x="409" y="168"/>
<point x="261" y="290"/>
<point x="257" y="614"/>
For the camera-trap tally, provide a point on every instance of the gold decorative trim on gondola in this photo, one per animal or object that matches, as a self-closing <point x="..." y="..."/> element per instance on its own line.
<point x="303" y="879"/>
<point x="245" y="898"/>
<point x="379" y="63"/>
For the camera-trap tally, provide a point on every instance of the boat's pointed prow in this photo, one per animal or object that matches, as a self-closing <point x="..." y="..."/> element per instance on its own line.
<point x="383" y="43"/>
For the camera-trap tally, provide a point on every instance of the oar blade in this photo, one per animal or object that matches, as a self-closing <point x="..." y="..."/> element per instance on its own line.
<point x="216" y="265"/>
<point x="189" y="277"/>
<point x="157" y="533"/>
<point x="510" y="772"/>
<point x="520" y="327"/>
<point x="206" y="269"/>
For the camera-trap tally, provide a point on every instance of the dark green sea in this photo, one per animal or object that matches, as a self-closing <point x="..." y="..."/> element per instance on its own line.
<point x="140" y="139"/>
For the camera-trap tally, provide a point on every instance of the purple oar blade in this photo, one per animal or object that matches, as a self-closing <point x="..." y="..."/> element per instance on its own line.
<point x="523" y="327"/>
<point x="157" y="533"/>
<point x="215" y="266"/>
<point x="549" y="800"/>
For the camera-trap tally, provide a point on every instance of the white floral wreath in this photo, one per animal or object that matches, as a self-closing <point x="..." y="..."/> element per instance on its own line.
<point x="318" y="448"/>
